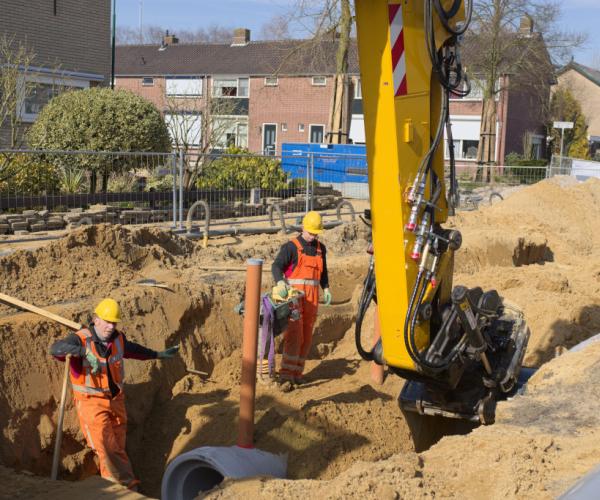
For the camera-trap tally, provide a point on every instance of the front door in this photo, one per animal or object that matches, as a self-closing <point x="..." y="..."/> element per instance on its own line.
<point x="269" y="138"/>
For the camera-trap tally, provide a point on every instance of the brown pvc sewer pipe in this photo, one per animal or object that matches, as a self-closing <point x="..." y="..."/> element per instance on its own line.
<point x="376" y="370"/>
<point x="249" y="346"/>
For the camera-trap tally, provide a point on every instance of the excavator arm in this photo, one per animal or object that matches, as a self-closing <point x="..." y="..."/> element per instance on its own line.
<point x="459" y="349"/>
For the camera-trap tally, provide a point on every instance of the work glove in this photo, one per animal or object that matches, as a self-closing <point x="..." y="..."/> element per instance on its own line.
<point x="326" y="296"/>
<point x="168" y="353"/>
<point x="93" y="361"/>
<point x="281" y="290"/>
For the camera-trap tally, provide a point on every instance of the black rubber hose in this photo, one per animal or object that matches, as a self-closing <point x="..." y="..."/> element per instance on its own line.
<point x="363" y="304"/>
<point x="446" y="15"/>
<point x="407" y="320"/>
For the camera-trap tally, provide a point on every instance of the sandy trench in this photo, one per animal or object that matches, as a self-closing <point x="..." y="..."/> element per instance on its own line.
<point x="344" y="436"/>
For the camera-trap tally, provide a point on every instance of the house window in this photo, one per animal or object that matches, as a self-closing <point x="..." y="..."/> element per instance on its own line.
<point x="316" y="133"/>
<point x="301" y="127"/>
<point x="230" y="131"/>
<point x="271" y="81"/>
<point x="183" y="86"/>
<point x="185" y="129"/>
<point x="319" y="81"/>
<point x="230" y="87"/>
<point x="147" y="81"/>
<point x="35" y="91"/>
<point x="357" y="89"/>
<point x="469" y="149"/>
<point x="284" y="127"/>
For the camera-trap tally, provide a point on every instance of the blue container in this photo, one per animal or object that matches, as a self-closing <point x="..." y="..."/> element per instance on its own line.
<point x="333" y="163"/>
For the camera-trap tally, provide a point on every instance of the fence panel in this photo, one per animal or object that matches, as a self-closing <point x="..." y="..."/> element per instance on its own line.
<point x="42" y="190"/>
<point x="580" y="169"/>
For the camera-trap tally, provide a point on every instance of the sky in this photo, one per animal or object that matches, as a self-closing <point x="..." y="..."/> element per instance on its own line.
<point x="577" y="16"/>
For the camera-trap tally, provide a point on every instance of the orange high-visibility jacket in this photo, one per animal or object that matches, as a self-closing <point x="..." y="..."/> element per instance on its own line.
<point x="85" y="383"/>
<point x="309" y="269"/>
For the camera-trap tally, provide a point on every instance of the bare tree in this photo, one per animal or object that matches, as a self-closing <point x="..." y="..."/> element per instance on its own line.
<point x="277" y="28"/>
<point x="15" y="62"/>
<point x="153" y="35"/>
<point x="513" y="43"/>
<point x="198" y="126"/>
<point x="330" y="25"/>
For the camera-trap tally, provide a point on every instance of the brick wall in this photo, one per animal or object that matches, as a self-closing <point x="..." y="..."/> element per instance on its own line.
<point x="77" y="38"/>
<point x="293" y="101"/>
<point x="523" y="114"/>
<point x="588" y="95"/>
<point x="154" y="93"/>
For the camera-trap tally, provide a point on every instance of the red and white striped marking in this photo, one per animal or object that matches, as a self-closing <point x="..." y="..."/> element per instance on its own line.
<point x="397" y="43"/>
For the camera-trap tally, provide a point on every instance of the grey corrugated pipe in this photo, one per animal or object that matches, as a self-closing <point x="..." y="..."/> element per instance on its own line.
<point x="204" y="468"/>
<point x="340" y="205"/>
<point x="188" y="222"/>
<point x="277" y="208"/>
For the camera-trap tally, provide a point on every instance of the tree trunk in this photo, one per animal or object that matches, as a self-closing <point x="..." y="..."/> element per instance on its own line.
<point x="93" y="181"/>
<point x="486" y="151"/>
<point x="339" y="117"/>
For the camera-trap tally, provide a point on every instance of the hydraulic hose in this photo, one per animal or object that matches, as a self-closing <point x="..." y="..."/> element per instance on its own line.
<point x="446" y="15"/>
<point x="363" y="304"/>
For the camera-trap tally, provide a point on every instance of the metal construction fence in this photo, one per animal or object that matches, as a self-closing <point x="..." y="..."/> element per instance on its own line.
<point x="49" y="189"/>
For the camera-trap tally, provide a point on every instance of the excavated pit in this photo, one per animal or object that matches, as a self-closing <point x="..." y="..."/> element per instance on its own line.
<point x="537" y="248"/>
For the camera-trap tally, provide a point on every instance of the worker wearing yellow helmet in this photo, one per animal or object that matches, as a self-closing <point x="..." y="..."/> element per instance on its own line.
<point x="97" y="374"/>
<point x="301" y="264"/>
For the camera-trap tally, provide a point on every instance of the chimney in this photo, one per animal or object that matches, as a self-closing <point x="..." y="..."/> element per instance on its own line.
<point x="241" y="36"/>
<point x="170" y="39"/>
<point x="526" y="25"/>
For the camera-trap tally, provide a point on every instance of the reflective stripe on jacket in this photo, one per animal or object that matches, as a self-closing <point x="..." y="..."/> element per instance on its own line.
<point x="85" y="383"/>
<point x="309" y="269"/>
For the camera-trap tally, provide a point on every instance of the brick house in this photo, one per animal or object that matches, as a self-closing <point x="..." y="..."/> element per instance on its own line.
<point x="285" y="93"/>
<point x="264" y="92"/>
<point x="71" y="43"/>
<point x="518" y="114"/>
<point x="584" y="84"/>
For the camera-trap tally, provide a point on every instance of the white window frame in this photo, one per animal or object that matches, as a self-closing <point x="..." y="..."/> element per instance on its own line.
<point x="457" y="151"/>
<point x="150" y="84"/>
<point x="301" y="127"/>
<point x="262" y="142"/>
<point x="65" y="83"/>
<point x="185" y="142"/>
<point x="357" y="89"/>
<point x="238" y="119"/>
<point x="310" y="127"/>
<point x="271" y="84"/>
<point x="230" y="77"/>
<point x="314" y="82"/>
<point x="184" y="95"/>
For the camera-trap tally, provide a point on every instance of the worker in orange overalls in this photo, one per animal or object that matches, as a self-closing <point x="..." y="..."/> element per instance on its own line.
<point x="301" y="264"/>
<point x="97" y="374"/>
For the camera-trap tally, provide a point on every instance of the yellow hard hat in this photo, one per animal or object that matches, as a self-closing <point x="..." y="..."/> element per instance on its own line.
<point x="108" y="310"/>
<point x="312" y="222"/>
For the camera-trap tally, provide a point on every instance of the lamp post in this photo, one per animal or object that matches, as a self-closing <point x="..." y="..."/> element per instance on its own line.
<point x="114" y="29"/>
<point x="562" y="126"/>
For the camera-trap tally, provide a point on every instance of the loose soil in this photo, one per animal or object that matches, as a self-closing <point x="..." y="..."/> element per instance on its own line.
<point x="344" y="436"/>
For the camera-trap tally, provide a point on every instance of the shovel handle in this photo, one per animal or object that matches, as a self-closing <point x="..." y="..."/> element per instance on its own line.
<point x="61" y="417"/>
<point x="37" y="310"/>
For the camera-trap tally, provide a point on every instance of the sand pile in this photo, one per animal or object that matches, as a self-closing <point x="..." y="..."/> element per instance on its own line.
<point x="537" y="248"/>
<point x="542" y="442"/>
<point x="94" y="260"/>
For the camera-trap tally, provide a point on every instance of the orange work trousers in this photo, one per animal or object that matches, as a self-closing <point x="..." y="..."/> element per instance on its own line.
<point x="104" y="424"/>
<point x="297" y="339"/>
